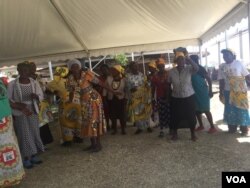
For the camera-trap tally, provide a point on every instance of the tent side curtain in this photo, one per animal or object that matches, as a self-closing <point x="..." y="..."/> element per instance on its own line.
<point x="233" y="17"/>
<point x="144" y="47"/>
<point x="47" y="58"/>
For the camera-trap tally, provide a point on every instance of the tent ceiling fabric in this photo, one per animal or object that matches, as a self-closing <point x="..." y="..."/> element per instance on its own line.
<point x="34" y="28"/>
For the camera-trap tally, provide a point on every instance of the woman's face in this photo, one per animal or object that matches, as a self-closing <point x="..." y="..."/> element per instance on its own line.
<point x="75" y="69"/>
<point x="161" y="67"/>
<point x="180" y="62"/>
<point x="134" y="68"/>
<point x="24" y="72"/>
<point x="114" y="72"/>
<point x="228" y="57"/>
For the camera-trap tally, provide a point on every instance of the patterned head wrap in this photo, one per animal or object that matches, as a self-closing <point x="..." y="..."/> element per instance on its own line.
<point x="119" y="68"/>
<point x="152" y="64"/>
<point x="160" y="61"/>
<point x="62" y="71"/>
<point x="74" y="61"/>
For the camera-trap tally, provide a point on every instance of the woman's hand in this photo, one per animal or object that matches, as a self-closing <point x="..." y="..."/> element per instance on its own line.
<point x="26" y="112"/>
<point x="34" y="96"/>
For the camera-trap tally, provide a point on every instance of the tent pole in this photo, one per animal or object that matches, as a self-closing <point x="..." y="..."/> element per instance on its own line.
<point x="206" y="57"/>
<point x="241" y="45"/>
<point x="219" y="53"/>
<point x="99" y="62"/>
<point x="70" y="27"/>
<point x="226" y="39"/>
<point x="90" y="64"/>
<point x="169" y="58"/>
<point x="132" y="56"/>
<point x="200" y="54"/>
<point x="248" y="15"/>
<point x="50" y="70"/>
<point x="143" y="64"/>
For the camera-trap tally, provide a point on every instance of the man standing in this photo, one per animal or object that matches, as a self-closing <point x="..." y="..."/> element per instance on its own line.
<point x="232" y="77"/>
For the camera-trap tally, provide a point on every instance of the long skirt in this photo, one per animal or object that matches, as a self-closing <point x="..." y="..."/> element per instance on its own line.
<point x="70" y="121"/>
<point x="164" y="113"/>
<point x="11" y="165"/>
<point x="182" y="113"/>
<point x="93" y="124"/>
<point x="45" y="134"/>
<point x="117" y="108"/>
<point x="233" y="115"/>
<point x="202" y="99"/>
<point x="28" y="135"/>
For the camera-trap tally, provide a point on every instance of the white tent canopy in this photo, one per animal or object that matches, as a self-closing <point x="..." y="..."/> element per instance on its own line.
<point x="43" y="30"/>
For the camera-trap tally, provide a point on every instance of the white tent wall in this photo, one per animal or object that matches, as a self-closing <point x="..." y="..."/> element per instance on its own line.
<point x="45" y="30"/>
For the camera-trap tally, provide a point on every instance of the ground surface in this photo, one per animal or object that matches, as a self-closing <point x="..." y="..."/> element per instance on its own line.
<point x="134" y="161"/>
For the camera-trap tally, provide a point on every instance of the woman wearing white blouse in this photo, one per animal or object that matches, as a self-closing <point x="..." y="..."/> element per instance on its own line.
<point x="182" y="100"/>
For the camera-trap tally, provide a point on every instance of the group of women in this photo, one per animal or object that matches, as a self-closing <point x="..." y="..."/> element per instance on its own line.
<point x="179" y="96"/>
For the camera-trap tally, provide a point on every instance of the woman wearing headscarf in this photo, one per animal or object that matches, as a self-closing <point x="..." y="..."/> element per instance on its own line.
<point x="139" y="98"/>
<point x="12" y="171"/>
<point x="92" y="115"/>
<point x="182" y="100"/>
<point x="116" y="97"/>
<point x="25" y="95"/>
<point x="202" y="85"/>
<point x="160" y="86"/>
<point x="233" y="90"/>
<point x="67" y="123"/>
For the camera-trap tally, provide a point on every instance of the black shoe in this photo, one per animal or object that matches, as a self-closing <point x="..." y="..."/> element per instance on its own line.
<point x="138" y="131"/>
<point x="161" y="135"/>
<point x="95" y="149"/>
<point x="88" y="148"/>
<point x="66" y="144"/>
<point x="78" y="140"/>
<point x="149" y="130"/>
<point x="124" y="133"/>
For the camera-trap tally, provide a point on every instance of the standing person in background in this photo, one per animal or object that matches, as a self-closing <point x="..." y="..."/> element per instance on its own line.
<point x="233" y="91"/>
<point x="203" y="93"/>
<point x="161" y="87"/>
<point x="116" y="97"/>
<point x="139" y="96"/>
<point x="104" y="73"/>
<point x="25" y="95"/>
<point x="182" y="100"/>
<point x="45" y="116"/>
<point x="11" y="167"/>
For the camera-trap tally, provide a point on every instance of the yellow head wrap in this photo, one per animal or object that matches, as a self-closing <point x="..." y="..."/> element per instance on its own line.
<point x="152" y="64"/>
<point x="62" y="71"/>
<point x="160" y="61"/>
<point x="119" y="68"/>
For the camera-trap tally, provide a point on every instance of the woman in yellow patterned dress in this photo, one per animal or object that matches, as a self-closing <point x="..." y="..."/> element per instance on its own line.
<point x="92" y="115"/>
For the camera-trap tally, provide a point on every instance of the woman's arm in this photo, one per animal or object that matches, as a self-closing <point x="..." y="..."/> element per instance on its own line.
<point x="195" y="67"/>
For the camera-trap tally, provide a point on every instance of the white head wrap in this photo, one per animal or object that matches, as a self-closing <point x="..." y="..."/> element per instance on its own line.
<point x="74" y="61"/>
